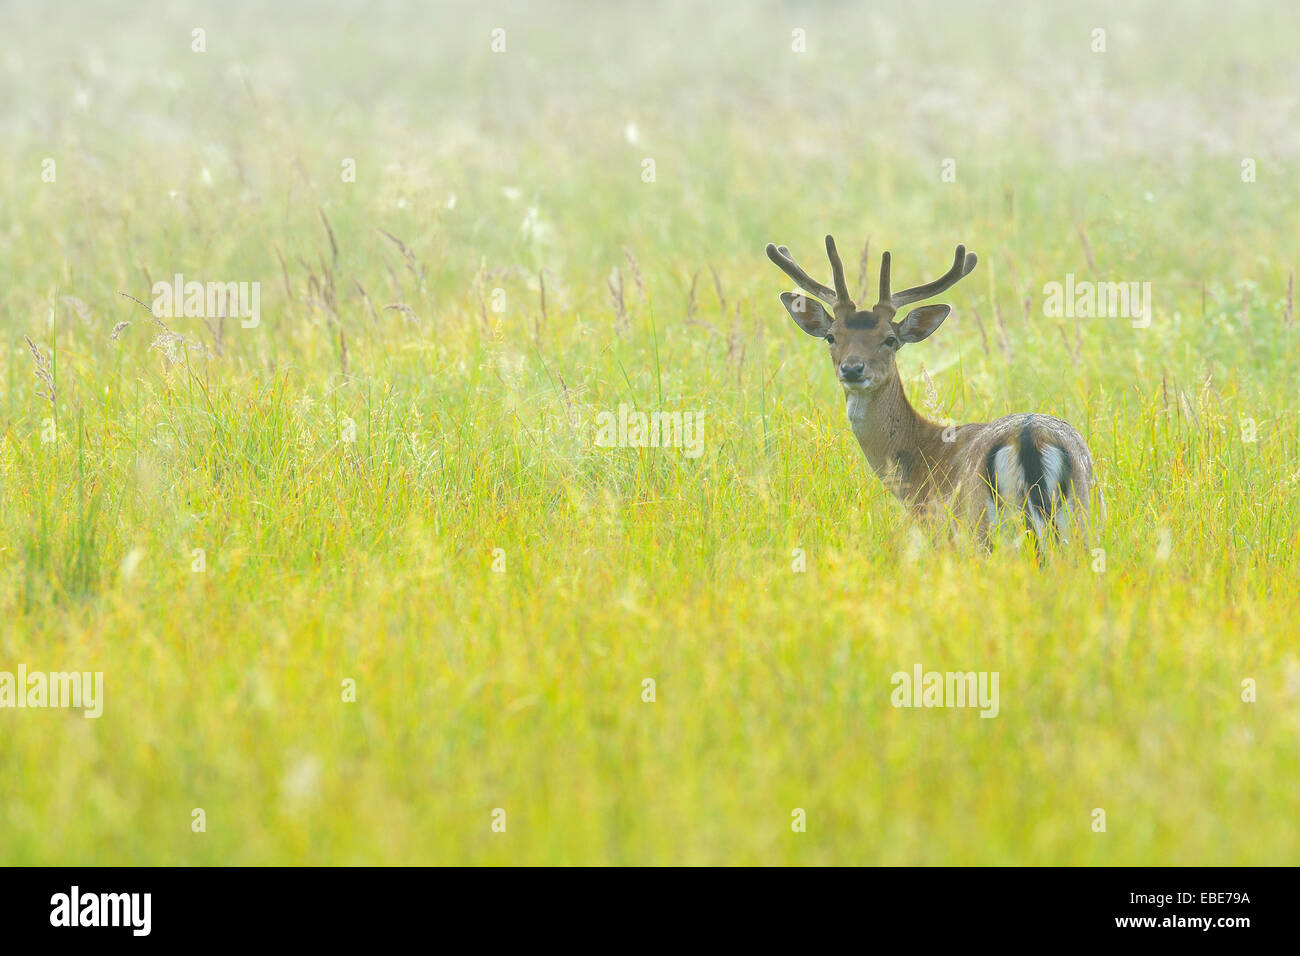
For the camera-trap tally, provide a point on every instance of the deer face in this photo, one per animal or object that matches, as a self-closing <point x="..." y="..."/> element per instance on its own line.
<point x="863" y="344"/>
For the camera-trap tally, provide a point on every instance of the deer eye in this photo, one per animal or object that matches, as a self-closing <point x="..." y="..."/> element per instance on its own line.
<point x="891" y="342"/>
<point x="830" y="339"/>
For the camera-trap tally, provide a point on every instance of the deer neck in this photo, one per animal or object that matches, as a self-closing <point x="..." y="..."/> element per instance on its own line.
<point x="902" y="447"/>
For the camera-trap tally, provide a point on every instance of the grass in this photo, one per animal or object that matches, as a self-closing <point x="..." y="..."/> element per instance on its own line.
<point x="345" y="475"/>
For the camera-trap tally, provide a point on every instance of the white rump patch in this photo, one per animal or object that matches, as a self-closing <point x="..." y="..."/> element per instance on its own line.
<point x="1008" y="478"/>
<point x="1013" y="489"/>
<point x="1054" y="469"/>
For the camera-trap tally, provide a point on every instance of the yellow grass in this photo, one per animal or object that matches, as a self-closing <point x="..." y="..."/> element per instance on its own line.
<point x="419" y="403"/>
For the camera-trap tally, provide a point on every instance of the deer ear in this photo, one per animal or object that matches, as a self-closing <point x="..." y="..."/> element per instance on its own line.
<point x="920" y="323"/>
<point x="807" y="313"/>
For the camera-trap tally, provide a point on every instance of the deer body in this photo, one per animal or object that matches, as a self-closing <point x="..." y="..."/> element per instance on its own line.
<point x="1026" y="467"/>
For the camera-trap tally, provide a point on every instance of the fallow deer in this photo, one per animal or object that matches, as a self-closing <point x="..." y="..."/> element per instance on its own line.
<point x="1029" y="467"/>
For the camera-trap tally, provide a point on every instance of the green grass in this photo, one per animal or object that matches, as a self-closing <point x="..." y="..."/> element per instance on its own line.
<point x="327" y="560"/>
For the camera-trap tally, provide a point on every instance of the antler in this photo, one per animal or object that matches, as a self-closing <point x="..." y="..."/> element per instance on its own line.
<point x="962" y="264"/>
<point x="837" y="298"/>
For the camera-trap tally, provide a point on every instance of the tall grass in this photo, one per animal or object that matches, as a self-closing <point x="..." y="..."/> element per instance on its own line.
<point x="348" y="473"/>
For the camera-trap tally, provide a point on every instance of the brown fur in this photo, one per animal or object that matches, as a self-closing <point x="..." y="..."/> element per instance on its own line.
<point x="947" y="479"/>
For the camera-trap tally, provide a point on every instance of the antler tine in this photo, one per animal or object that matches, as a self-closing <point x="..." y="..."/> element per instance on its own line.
<point x="884" y="279"/>
<point x="962" y="264"/>
<point x="842" y="301"/>
<point x="780" y="255"/>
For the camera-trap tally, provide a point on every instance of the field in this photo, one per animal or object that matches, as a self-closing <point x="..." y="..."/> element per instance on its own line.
<point x="358" y="574"/>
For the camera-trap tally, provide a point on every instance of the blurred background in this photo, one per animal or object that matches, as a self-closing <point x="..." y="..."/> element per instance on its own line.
<point x="475" y="226"/>
<point x="532" y="156"/>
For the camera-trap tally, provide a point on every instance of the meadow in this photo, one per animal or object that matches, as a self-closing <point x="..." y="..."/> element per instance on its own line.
<point x="358" y="574"/>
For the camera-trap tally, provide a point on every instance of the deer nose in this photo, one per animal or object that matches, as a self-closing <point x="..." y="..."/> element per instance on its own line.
<point x="852" y="371"/>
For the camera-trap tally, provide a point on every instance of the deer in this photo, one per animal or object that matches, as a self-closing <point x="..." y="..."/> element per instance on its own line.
<point x="1032" y="470"/>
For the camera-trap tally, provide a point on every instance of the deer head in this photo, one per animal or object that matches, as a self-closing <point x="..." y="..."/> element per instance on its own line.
<point x="863" y="344"/>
